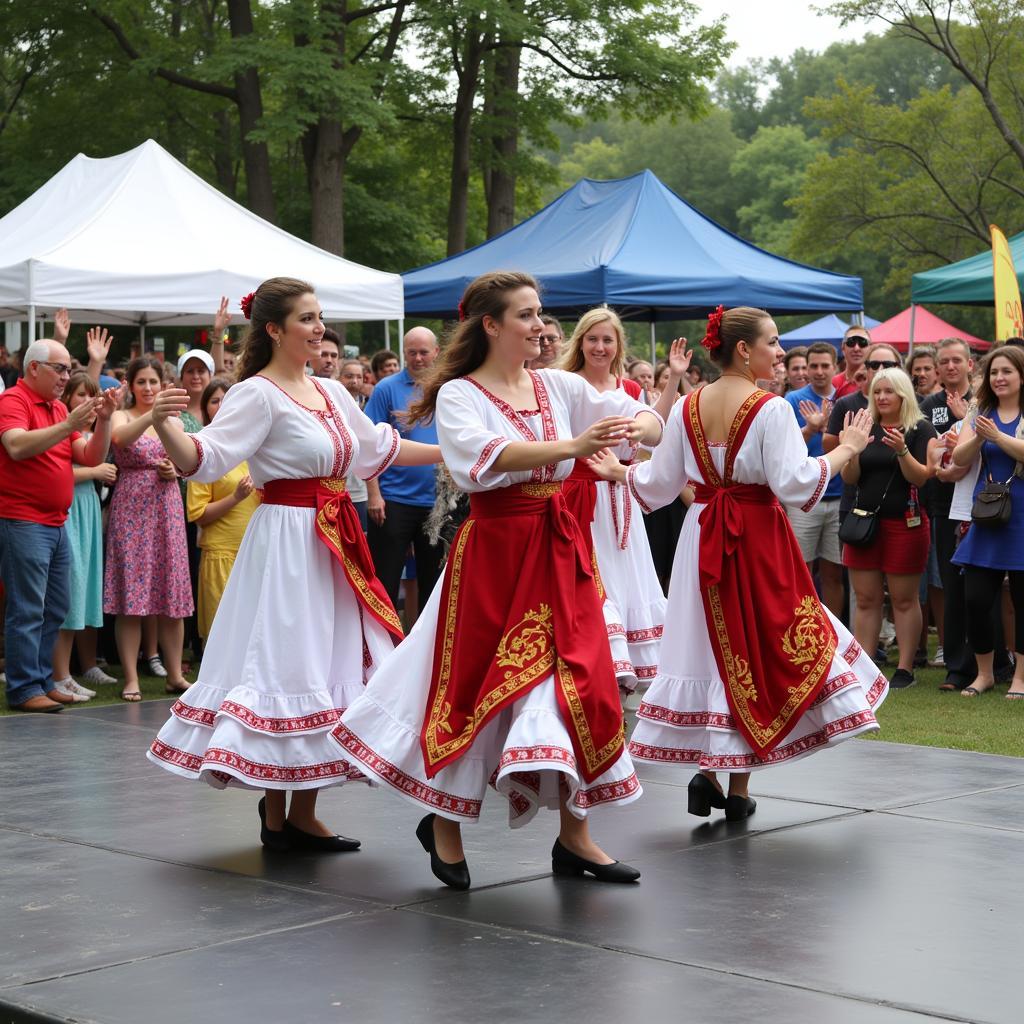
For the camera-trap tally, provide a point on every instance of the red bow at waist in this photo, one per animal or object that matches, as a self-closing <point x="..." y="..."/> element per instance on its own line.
<point x="338" y="527"/>
<point x="722" y="524"/>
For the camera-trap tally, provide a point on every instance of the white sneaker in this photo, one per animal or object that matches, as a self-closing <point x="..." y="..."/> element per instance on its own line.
<point x="98" y="677"/>
<point x="156" y="666"/>
<point x="939" y="660"/>
<point x="79" y="694"/>
<point x="887" y="633"/>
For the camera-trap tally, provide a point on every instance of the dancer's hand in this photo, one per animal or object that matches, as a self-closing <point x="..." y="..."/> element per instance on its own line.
<point x="610" y="430"/>
<point x="169" y="404"/>
<point x="607" y="466"/>
<point x="856" y="432"/>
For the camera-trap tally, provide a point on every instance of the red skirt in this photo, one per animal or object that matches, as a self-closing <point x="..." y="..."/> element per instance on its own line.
<point x="897" y="548"/>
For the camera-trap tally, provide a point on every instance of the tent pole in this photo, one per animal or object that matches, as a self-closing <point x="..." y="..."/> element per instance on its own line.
<point x="910" y="341"/>
<point x="142" y="333"/>
<point x="653" y="355"/>
<point x="31" y="323"/>
<point x="387" y="335"/>
<point x="401" y="342"/>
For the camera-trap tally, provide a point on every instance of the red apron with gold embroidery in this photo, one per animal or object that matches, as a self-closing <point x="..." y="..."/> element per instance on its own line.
<point x="772" y="641"/>
<point x="519" y="603"/>
<point x="338" y="528"/>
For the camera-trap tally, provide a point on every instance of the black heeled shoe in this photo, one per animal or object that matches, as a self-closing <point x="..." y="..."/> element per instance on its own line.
<point x="455" y="876"/>
<point x="271" y="839"/>
<point x="702" y="794"/>
<point x="300" y="840"/>
<point x="739" y="808"/>
<point x="568" y="864"/>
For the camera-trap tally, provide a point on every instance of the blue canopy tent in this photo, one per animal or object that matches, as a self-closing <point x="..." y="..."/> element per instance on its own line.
<point x="634" y="244"/>
<point x="827" y="328"/>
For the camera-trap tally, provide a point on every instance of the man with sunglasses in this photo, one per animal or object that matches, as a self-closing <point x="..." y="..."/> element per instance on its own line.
<point x="855" y="346"/>
<point x="39" y="440"/>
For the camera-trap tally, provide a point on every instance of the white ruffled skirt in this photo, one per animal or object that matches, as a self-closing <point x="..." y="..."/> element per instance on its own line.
<point x="685" y="718"/>
<point x="289" y="651"/>
<point x="634" y="607"/>
<point x="524" y="752"/>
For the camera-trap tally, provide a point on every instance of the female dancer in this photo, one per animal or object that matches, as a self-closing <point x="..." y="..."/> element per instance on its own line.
<point x="303" y="621"/>
<point x="507" y="676"/>
<point x="756" y="672"/>
<point x="147" y="558"/>
<point x="634" y="606"/>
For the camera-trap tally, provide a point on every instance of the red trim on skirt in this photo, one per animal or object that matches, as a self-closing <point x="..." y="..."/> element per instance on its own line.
<point x="897" y="548"/>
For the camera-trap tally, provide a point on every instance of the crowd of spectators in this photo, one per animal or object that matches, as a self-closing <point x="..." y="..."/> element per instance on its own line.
<point x="104" y="548"/>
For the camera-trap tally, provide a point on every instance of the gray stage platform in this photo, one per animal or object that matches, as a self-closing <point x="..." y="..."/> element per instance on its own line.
<point x="877" y="884"/>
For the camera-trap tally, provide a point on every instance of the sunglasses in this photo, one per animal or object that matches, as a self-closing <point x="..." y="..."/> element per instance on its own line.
<point x="856" y="343"/>
<point x="881" y="364"/>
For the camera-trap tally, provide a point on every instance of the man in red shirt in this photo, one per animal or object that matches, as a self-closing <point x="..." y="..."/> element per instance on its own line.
<point x="39" y="439"/>
<point x="855" y="345"/>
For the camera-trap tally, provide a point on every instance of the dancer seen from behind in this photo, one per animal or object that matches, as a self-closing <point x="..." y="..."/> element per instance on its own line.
<point x="507" y="676"/>
<point x="634" y="606"/>
<point x="757" y="672"/>
<point x="303" y="621"/>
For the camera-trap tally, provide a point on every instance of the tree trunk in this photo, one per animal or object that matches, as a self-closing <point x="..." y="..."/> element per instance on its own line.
<point x="256" y="155"/>
<point x="327" y="186"/>
<point x="223" y="158"/>
<point x="500" y="180"/>
<point x="462" y="138"/>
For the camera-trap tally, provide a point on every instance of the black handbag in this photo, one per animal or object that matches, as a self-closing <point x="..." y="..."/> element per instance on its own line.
<point x="992" y="507"/>
<point x="860" y="527"/>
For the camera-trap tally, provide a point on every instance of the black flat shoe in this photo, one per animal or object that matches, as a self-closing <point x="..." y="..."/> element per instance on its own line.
<point x="455" y="876"/>
<point x="300" y="840"/>
<point x="702" y="794"/>
<point x="271" y="839"/>
<point x="568" y="864"/>
<point x="739" y="808"/>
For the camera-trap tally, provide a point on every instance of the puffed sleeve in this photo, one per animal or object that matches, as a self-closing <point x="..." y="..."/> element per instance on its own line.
<point x="379" y="443"/>
<point x="587" y="405"/>
<point x="469" y="446"/>
<point x="794" y="477"/>
<point x="242" y="424"/>
<point x="659" y="481"/>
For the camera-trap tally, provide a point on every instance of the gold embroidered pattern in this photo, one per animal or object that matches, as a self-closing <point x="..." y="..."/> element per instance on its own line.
<point x="332" y="483"/>
<point x="593" y="758"/>
<point x="529" y="640"/>
<point x="539" y="490"/>
<point x="807" y="634"/>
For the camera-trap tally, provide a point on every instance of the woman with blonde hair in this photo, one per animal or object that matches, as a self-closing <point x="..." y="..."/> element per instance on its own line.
<point x="888" y="476"/>
<point x="634" y="606"/>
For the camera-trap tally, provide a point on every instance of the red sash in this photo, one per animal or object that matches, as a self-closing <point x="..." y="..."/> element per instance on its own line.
<point x="518" y="604"/>
<point x="337" y="526"/>
<point x="581" y="497"/>
<point x="772" y="641"/>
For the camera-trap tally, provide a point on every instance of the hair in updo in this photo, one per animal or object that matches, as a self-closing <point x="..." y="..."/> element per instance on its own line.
<point x="467" y="343"/>
<point x="741" y="323"/>
<point x="271" y="304"/>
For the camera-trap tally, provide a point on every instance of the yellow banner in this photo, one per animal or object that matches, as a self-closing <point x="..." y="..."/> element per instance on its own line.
<point x="1009" y="319"/>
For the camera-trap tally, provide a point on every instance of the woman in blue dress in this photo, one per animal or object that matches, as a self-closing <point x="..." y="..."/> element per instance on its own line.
<point x="994" y="439"/>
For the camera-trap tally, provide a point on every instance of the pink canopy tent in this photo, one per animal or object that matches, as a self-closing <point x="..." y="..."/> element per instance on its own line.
<point x="916" y="326"/>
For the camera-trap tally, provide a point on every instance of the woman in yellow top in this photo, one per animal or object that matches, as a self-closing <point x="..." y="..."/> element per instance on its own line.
<point x="222" y="511"/>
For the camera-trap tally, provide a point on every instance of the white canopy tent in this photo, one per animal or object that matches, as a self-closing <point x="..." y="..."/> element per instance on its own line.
<point x="139" y="239"/>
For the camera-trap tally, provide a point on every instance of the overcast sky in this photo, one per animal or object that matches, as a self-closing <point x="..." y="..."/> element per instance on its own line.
<point x="775" y="28"/>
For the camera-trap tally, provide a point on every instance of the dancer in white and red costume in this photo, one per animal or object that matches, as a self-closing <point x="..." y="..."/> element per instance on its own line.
<point x="303" y="622"/>
<point x="754" y="671"/>
<point x="634" y="607"/>
<point x="507" y="676"/>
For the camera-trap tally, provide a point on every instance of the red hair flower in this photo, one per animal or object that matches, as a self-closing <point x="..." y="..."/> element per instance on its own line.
<point x="246" y="305"/>
<point x="712" y="339"/>
<point x="462" y="311"/>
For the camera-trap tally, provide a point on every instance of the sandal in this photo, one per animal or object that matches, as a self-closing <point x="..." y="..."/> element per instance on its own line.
<point x="1015" y="695"/>
<point x="131" y="696"/>
<point x="177" y="687"/>
<point x="973" y="691"/>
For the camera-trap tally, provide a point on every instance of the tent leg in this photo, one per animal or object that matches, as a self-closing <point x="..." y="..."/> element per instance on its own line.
<point x="387" y="335"/>
<point x="142" y="335"/>
<point x="31" y="324"/>
<point x="910" y="340"/>
<point x="652" y="344"/>
<point x="401" y="342"/>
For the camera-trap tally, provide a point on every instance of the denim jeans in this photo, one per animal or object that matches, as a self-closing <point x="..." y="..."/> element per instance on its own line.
<point x="35" y="565"/>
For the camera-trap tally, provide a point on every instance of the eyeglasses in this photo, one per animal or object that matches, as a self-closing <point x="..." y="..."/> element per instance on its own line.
<point x="882" y="364"/>
<point x="857" y="342"/>
<point x="549" y="339"/>
<point x="61" y="369"/>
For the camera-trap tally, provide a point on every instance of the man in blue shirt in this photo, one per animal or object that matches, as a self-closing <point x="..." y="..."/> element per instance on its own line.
<point x="400" y="499"/>
<point x="817" y="529"/>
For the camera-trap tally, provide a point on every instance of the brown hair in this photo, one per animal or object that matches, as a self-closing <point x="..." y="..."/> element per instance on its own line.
<point x="380" y="358"/>
<point x="799" y="352"/>
<point x="987" y="400"/>
<point x="75" y="381"/>
<point x="573" y="359"/>
<point x="825" y="348"/>
<point x="135" y="367"/>
<point x="215" y="385"/>
<point x="921" y="353"/>
<point x="271" y="304"/>
<point x="332" y="335"/>
<point x="741" y="323"/>
<point x="468" y="345"/>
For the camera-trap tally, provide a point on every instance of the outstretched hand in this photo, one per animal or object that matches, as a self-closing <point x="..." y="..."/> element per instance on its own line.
<point x="169" y="404"/>
<point x="61" y="326"/>
<point x="679" y="358"/>
<point x="606" y="465"/>
<point x="97" y="344"/>
<point x="610" y="430"/>
<point x="221" y="320"/>
<point x="856" y="430"/>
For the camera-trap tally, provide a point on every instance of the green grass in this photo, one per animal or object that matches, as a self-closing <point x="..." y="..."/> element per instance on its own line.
<point x="925" y="716"/>
<point x="152" y="689"/>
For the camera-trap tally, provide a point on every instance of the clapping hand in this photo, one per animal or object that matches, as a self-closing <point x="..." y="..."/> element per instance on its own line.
<point x="956" y="404"/>
<point x="109" y="401"/>
<point x="892" y="437"/>
<point x="97" y="344"/>
<point x="80" y="418"/>
<point x="61" y="326"/>
<point x="815" y="417"/>
<point x="986" y="429"/>
<point x="244" y="488"/>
